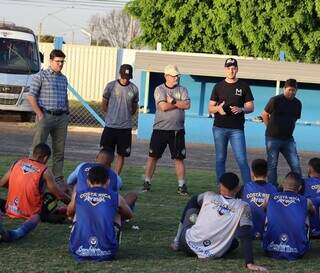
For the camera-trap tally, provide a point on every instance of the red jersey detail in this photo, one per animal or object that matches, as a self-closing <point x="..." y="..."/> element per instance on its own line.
<point x="25" y="197"/>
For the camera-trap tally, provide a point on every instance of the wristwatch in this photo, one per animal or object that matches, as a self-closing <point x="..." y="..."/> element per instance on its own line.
<point x="173" y="101"/>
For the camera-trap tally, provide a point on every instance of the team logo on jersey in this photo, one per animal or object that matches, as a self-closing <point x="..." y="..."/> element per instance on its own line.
<point x="94" y="198"/>
<point x="28" y="168"/>
<point x="117" y="93"/>
<point x="257" y="198"/>
<point x="316" y="188"/>
<point x="238" y="92"/>
<point x="93" y="241"/>
<point x="223" y="209"/>
<point x="284" y="238"/>
<point x="206" y="243"/>
<point x="130" y="94"/>
<point x="286" y="200"/>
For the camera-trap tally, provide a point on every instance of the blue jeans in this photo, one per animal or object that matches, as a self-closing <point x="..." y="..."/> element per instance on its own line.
<point x="288" y="149"/>
<point x="238" y="143"/>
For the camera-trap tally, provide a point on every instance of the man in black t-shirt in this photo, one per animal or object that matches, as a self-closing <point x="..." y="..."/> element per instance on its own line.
<point x="280" y="116"/>
<point x="230" y="100"/>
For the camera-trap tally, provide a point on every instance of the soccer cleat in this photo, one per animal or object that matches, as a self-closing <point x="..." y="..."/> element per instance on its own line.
<point x="146" y="186"/>
<point x="183" y="190"/>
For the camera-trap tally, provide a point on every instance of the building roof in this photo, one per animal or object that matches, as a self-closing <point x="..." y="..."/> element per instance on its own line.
<point x="213" y="65"/>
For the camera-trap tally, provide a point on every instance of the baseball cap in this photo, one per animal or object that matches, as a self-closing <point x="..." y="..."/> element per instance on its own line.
<point x="125" y="71"/>
<point x="171" y="70"/>
<point x="231" y="62"/>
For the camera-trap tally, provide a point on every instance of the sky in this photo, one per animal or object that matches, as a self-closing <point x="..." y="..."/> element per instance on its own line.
<point x="63" y="18"/>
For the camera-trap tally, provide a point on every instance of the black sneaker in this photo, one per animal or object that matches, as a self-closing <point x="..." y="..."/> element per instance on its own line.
<point x="183" y="190"/>
<point x="146" y="186"/>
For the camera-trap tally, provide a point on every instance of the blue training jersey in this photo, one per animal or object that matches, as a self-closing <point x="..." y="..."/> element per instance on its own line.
<point x="254" y="194"/>
<point x="80" y="176"/>
<point x="286" y="233"/>
<point x="93" y="236"/>
<point x="312" y="191"/>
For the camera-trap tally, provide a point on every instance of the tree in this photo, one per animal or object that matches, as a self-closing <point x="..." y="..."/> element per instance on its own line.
<point x="47" y="39"/>
<point x="116" y="28"/>
<point x="241" y="27"/>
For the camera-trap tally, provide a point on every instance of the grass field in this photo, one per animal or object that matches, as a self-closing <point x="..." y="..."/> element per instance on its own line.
<point x="144" y="250"/>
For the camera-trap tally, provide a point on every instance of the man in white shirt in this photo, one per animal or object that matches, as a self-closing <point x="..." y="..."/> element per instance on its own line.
<point x="210" y="221"/>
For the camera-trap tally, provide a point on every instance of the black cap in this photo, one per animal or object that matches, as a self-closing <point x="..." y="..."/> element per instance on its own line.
<point x="231" y="62"/>
<point x="125" y="71"/>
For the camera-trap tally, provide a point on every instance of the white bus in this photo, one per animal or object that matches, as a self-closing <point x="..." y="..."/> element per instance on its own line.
<point x="19" y="59"/>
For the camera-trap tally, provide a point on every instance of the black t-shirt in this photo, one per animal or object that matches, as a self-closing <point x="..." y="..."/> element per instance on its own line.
<point x="283" y="116"/>
<point x="234" y="94"/>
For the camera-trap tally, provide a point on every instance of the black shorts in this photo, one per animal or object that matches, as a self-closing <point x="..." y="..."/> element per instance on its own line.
<point x="175" y="139"/>
<point x="112" y="137"/>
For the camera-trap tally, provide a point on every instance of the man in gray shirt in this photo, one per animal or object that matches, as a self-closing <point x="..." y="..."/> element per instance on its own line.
<point x="168" y="129"/>
<point x="120" y="102"/>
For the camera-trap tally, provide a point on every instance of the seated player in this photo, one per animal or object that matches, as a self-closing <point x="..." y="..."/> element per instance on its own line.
<point x="104" y="158"/>
<point x="26" y="181"/>
<point x="312" y="191"/>
<point x="286" y="231"/>
<point x="255" y="193"/>
<point x="210" y="221"/>
<point x="98" y="212"/>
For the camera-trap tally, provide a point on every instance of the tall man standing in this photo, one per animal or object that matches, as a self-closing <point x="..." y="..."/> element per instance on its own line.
<point x="230" y="100"/>
<point x="119" y="102"/>
<point x="171" y="100"/>
<point x="49" y="100"/>
<point x="280" y="116"/>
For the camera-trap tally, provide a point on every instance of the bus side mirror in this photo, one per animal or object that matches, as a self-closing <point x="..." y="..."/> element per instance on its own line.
<point x="41" y="57"/>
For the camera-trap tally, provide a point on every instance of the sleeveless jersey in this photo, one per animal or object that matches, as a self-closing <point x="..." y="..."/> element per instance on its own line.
<point x="93" y="236"/>
<point x="219" y="217"/>
<point x="255" y="194"/>
<point x="285" y="235"/>
<point x="83" y="176"/>
<point x="25" y="190"/>
<point x="312" y="191"/>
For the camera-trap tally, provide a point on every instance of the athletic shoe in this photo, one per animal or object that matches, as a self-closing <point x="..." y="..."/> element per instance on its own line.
<point x="146" y="186"/>
<point x="183" y="190"/>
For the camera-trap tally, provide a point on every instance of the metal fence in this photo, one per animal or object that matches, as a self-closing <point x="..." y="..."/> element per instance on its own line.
<point x="79" y="115"/>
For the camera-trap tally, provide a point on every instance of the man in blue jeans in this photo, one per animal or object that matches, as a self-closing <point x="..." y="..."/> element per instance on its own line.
<point x="230" y="100"/>
<point x="280" y="116"/>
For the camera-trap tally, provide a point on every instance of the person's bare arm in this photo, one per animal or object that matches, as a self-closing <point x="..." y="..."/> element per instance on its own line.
<point x="104" y="105"/>
<point x="213" y="107"/>
<point x="71" y="210"/>
<point x="265" y="117"/>
<point x="311" y="208"/>
<point x="166" y="106"/>
<point x="123" y="209"/>
<point x="4" y="180"/>
<point x="35" y="106"/>
<point x="134" y="108"/>
<point x="54" y="188"/>
<point x="248" y="108"/>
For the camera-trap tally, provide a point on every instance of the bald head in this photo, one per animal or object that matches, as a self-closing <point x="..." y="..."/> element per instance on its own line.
<point x="292" y="182"/>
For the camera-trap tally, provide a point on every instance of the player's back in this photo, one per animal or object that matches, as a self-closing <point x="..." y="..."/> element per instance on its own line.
<point x="214" y="230"/>
<point x="93" y="236"/>
<point x="25" y="190"/>
<point x="285" y="235"/>
<point x="255" y="193"/>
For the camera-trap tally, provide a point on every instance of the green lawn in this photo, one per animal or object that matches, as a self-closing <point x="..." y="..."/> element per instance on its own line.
<point x="144" y="250"/>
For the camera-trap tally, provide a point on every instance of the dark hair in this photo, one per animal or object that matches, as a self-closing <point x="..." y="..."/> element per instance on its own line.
<point x="259" y="167"/>
<point x="295" y="177"/>
<point x="41" y="150"/>
<point x="291" y="83"/>
<point x="98" y="175"/>
<point x="56" y="53"/>
<point x="229" y="180"/>
<point x="314" y="163"/>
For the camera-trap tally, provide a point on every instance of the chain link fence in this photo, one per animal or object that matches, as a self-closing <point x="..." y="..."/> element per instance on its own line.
<point x="79" y="115"/>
